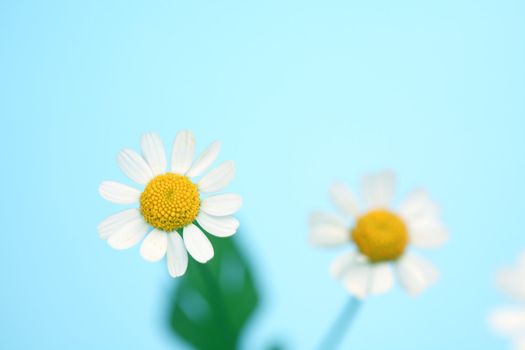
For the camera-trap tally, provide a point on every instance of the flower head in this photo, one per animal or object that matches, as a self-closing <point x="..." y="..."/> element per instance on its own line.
<point x="170" y="203"/>
<point x="510" y="320"/>
<point x="381" y="237"/>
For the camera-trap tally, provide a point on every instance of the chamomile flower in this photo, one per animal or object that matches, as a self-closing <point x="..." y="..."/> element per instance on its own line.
<point x="380" y="236"/>
<point x="510" y="321"/>
<point x="170" y="208"/>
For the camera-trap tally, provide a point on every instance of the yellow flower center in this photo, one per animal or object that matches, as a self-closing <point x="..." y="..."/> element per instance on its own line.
<point x="170" y="202"/>
<point x="380" y="235"/>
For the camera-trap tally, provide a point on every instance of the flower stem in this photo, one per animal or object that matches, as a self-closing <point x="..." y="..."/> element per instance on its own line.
<point x="341" y="325"/>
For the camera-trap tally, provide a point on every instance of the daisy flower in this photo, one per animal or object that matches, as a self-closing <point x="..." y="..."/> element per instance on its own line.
<point x="381" y="237"/>
<point x="510" y="321"/>
<point x="170" y="212"/>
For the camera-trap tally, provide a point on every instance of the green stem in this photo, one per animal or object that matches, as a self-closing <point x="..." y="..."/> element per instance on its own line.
<point x="341" y="325"/>
<point x="221" y="313"/>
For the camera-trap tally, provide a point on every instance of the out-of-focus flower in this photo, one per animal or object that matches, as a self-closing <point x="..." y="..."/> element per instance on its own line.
<point x="381" y="236"/>
<point x="170" y="203"/>
<point x="510" y="321"/>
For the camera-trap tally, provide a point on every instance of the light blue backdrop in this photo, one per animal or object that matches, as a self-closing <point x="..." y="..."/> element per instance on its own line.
<point x="301" y="93"/>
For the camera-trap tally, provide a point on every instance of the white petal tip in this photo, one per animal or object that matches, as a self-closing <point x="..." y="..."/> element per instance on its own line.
<point x="176" y="275"/>
<point x="154" y="247"/>
<point x="218" y="178"/>
<point x="197" y="244"/>
<point x="118" y="193"/>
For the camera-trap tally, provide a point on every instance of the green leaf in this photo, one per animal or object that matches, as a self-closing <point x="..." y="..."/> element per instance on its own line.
<point x="212" y="302"/>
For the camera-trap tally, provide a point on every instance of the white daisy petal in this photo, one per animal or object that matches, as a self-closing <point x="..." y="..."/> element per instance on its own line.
<point x="378" y="189"/>
<point x="129" y="235"/>
<point x="418" y="204"/>
<point x="197" y="243"/>
<point x="344" y="199"/>
<point x="154" y="247"/>
<point x="426" y="233"/>
<point x="153" y="151"/>
<point x="218" y="226"/>
<point x="415" y="274"/>
<point x="358" y="278"/>
<point x="222" y="204"/>
<point x="183" y="150"/>
<point x="421" y="215"/>
<point x="118" y="193"/>
<point x="511" y="281"/>
<point x="115" y="222"/>
<point x="329" y="235"/>
<point x="134" y="166"/>
<point x="177" y="256"/>
<point x="218" y="178"/>
<point x="362" y="278"/>
<point x="205" y="160"/>
<point x="340" y="264"/>
<point x="519" y="342"/>
<point x="521" y="261"/>
<point x="382" y="278"/>
<point x="321" y="218"/>
<point x="509" y="321"/>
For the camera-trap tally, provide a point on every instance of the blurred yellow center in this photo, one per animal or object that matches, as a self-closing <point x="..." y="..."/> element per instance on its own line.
<point x="170" y="202"/>
<point x="380" y="235"/>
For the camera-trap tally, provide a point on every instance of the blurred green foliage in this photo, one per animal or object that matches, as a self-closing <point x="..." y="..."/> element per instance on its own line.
<point x="212" y="302"/>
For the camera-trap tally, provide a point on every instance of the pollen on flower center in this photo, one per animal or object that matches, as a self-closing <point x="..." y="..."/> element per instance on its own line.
<point x="170" y="202"/>
<point x="380" y="235"/>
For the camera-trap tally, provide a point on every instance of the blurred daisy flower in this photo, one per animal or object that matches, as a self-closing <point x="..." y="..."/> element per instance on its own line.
<point x="381" y="237"/>
<point x="170" y="203"/>
<point x="510" y="321"/>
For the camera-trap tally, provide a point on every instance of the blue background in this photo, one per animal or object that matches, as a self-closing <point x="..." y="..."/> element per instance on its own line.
<point x="301" y="93"/>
